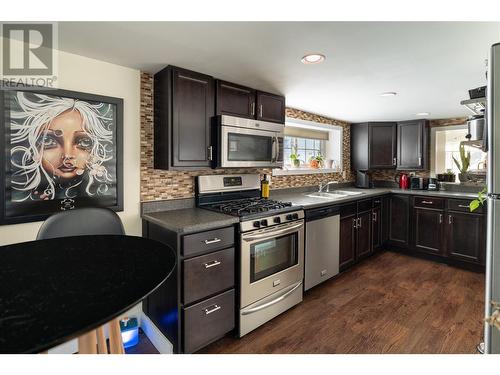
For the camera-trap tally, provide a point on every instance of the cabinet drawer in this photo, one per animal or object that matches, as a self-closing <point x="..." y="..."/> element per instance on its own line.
<point x="202" y="242"/>
<point x="207" y="274"/>
<point x="377" y="202"/>
<point x="462" y="205"/>
<point x="208" y="320"/>
<point x="429" y="202"/>
<point x="347" y="210"/>
<point x="364" y="205"/>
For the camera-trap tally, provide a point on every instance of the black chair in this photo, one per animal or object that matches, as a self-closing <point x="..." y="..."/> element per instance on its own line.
<point x="81" y="222"/>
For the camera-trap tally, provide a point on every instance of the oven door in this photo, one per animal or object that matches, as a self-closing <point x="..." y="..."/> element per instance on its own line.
<point x="243" y="147"/>
<point x="271" y="259"/>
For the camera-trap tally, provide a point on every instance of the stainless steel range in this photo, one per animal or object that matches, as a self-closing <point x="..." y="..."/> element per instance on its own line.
<point x="271" y="239"/>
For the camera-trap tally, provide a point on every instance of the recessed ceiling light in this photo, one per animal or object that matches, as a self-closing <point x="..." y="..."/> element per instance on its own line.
<point x="313" y="58"/>
<point x="422" y="114"/>
<point x="389" y="93"/>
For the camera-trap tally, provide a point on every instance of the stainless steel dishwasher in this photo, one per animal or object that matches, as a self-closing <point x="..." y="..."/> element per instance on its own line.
<point x="322" y="245"/>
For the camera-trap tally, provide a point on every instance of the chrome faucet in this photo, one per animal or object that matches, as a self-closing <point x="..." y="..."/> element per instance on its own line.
<point x="326" y="185"/>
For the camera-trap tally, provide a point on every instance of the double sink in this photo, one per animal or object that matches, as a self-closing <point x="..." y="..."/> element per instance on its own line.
<point x="332" y="195"/>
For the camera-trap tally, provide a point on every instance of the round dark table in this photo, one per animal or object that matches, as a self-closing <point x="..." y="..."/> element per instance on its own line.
<point x="54" y="290"/>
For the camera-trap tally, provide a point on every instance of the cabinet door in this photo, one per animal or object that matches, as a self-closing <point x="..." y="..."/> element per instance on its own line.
<point x="359" y="146"/>
<point x="270" y="107"/>
<point x="363" y="236"/>
<point x="376" y="227"/>
<point x="411" y="142"/>
<point x="347" y="241"/>
<point x="428" y="230"/>
<point x="465" y="239"/>
<point x="399" y="212"/>
<point x="382" y="138"/>
<point x="192" y="109"/>
<point x="234" y="100"/>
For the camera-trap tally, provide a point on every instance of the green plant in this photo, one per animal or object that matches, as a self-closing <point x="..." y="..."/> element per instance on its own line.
<point x="294" y="157"/>
<point x="473" y="205"/>
<point x="464" y="158"/>
<point x="449" y="172"/>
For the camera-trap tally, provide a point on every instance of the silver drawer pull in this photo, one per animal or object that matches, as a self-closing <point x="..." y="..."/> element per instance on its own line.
<point x="427" y="202"/>
<point x="211" y="264"/>
<point x="213" y="240"/>
<point x="463" y="206"/>
<point x="211" y="309"/>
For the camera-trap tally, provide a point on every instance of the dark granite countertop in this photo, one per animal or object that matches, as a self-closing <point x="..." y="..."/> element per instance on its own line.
<point x="300" y="198"/>
<point x="190" y="220"/>
<point x="56" y="289"/>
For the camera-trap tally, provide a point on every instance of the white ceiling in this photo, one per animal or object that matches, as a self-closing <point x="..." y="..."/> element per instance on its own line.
<point x="431" y="65"/>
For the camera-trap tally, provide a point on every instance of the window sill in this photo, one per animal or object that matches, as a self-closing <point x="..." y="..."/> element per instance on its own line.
<point x="302" y="171"/>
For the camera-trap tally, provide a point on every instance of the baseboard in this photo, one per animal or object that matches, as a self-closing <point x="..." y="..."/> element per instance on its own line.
<point x="159" y="341"/>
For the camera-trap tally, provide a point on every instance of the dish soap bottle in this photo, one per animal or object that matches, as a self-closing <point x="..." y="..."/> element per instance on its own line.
<point x="264" y="187"/>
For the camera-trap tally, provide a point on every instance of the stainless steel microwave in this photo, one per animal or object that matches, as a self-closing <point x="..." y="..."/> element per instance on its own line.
<point x="248" y="143"/>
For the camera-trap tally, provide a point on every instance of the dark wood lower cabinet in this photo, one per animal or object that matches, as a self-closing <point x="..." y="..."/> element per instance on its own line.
<point x="399" y="216"/>
<point x="347" y="241"/>
<point x="428" y="230"/>
<point x="466" y="237"/>
<point x="376" y="228"/>
<point x="363" y="235"/>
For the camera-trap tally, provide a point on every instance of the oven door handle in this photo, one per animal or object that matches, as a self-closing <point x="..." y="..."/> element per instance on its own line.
<point x="270" y="303"/>
<point x="273" y="233"/>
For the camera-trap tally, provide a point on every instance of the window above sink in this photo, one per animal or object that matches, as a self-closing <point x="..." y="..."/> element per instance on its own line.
<point x="309" y="140"/>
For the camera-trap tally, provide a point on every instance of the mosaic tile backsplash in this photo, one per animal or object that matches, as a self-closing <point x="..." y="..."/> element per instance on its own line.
<point x="161" y="185"/>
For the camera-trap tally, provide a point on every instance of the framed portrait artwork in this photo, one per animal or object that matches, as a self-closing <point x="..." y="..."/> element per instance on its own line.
<point x="61" y="150"/>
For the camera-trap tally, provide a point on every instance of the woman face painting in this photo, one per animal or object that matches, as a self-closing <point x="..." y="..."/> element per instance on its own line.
<point x="66" y="146"/>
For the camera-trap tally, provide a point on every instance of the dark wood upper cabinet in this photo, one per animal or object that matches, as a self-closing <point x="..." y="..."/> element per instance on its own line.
<point x="466" y="237"/>
<point x="412" y="144"/>
<point x="382" y="145"/>
<point x="399" y="224"/>
<point x="234" y="100"/>
<point x="373" y="145"/>
<point x="184" y="106"/>
<point x="270" y="107"/>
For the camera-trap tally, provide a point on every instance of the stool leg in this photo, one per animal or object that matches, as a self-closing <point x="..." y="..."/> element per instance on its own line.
<point x="115" y="338"/>
<point x="87" y="343"/>
<point x="102" y="348"/>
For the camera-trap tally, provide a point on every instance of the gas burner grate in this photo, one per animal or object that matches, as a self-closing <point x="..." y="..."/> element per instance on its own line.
<point x="249" y="206"/>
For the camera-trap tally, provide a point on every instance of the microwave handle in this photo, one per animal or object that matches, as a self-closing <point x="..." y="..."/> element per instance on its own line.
<point x="274" y="157"/>
<point x="277" y="145"/>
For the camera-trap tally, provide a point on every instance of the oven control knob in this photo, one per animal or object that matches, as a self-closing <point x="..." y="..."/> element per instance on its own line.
<point x="295" y="216"/>
<point x="277" y="220"/>
<point x="263" y="223"/>
<point x="256" y="224"/>
<point x="289" y="217"/>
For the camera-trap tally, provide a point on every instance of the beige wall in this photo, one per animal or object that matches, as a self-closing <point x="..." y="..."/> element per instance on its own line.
<point x="79" y="73"/>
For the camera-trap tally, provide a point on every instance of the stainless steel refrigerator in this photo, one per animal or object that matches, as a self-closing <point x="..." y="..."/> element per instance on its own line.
<point x="492" y="335"/>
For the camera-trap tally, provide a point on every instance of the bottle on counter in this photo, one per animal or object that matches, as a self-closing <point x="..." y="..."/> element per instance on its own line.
<point x="264" y="187"/>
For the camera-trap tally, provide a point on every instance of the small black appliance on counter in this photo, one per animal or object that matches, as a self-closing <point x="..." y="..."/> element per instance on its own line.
<point x="432" y="184"/>
<point x="363" y="180"/>
<point x="418" y="183"/>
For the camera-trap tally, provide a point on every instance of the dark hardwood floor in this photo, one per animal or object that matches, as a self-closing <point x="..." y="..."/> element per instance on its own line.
<point x="390" y="303"/>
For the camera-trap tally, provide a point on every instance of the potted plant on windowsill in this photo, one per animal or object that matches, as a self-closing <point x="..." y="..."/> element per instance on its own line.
<point x="316" y="162"/>
<point x="463" y="167"/>
<point x="294" y="158"/>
